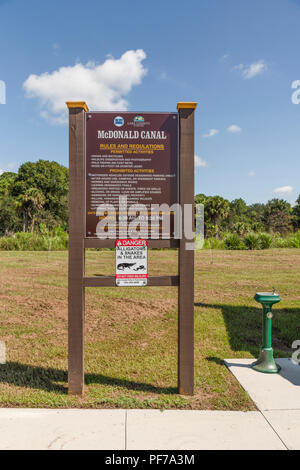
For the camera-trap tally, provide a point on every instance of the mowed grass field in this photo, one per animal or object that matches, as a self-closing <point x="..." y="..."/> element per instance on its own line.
<point x="131" y="333"/>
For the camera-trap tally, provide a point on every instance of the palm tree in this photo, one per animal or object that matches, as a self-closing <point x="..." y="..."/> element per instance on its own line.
<point x="217" y="209"/>
<point x="28" y="205"/>
<point x="35" y="202"/>
<point x="21" y="210"/>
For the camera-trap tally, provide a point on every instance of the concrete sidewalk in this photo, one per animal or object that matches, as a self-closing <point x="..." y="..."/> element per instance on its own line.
<point x="135" y="429"/>
<point x="275" y="426"/>
<point x="277" y="396"/>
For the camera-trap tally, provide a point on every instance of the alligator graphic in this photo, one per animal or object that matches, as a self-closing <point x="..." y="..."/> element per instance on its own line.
<point x="123" y="266"/>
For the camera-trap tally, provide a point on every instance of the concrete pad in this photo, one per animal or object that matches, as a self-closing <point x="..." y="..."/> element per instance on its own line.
<point x="198" y="430"/>
<point x="269" y="391"/>
<point x="287" y="425"/>
<point x="42" y="429"/>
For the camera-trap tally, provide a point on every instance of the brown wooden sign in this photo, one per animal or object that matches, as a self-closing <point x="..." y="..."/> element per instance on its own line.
<point x="133" y="155"/>
<point x="88" y="161"/>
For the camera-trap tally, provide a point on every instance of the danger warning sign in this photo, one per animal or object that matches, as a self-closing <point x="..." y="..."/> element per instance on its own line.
<point x="131" y="262"/>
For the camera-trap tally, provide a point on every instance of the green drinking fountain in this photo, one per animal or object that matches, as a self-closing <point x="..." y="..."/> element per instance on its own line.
<point x="265" y="362"/>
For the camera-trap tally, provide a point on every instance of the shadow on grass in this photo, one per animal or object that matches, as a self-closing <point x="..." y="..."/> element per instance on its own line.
<point x="216" y="360"/>
<point x="47" y="379"/>
<point x="244" y="328"/>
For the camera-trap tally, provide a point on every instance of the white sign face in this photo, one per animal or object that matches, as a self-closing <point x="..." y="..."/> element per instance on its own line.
<point x="131" y="263"/>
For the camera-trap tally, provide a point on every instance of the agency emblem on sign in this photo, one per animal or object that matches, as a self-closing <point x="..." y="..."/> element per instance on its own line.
<point x="119" y="121"/>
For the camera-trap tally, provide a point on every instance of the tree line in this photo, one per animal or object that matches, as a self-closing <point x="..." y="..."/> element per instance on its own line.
<point x="222" y="216"/>
<point x="37" y="195"/>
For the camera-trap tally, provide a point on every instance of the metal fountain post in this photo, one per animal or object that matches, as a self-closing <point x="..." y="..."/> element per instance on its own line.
<point x="266" y="362"/>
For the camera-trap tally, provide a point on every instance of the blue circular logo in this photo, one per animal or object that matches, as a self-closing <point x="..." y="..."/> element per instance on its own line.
<point x="119" y="121"/>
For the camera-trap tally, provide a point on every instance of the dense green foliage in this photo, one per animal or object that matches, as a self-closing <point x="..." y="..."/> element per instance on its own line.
<point x="37" y="194"/>
<point x="57" y="239"/>
<point x="253" y="241"/>
<point x="34" y="214"/>
<point x="45" y="240"/>
<point x="221" y="216"/>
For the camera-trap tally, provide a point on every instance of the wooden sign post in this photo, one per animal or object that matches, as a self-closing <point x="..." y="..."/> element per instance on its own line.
<point x="186" y="257"/>
<point x="78" y="242"/>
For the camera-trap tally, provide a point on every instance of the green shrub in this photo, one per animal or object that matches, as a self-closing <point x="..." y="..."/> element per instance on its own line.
<point x="234" y="242"/>
<point x="265" y="240"/>
<point x="8" y="243"/>
<point x="252" y="241"/>
<point x="293" y="241"/>
<point x="21" y="241"/>
<point x="279" y="242"/>
<point x="56" y="239"/>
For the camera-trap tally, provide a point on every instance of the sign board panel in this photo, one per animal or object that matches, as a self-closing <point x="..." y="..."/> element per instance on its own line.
<point x="89" y="160"/>
<point x="131" y="263"/>
<point x="130" y="154"/>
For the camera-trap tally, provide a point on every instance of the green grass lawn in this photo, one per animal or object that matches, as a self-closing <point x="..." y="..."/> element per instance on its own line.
<point x="131" y="333"/>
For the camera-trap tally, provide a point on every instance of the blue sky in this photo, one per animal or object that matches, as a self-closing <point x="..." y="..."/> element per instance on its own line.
<point x="236" y="58"/>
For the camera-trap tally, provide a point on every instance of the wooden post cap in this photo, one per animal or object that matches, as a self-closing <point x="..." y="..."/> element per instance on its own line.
<point x="77" y="104"/>
<point x="186" y="105"/>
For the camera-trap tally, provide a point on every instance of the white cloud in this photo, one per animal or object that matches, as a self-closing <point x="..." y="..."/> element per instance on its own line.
<point x="234" y="129"/>
<point x="11" y="166"/>
<point x="238" y="67"/>
<point x="252" y="70"/>
<point x="283" y="190"/>
<point x="211" y="133"/>
<point x="103" y="86"/>
<point x="251" y="173"/>
<point x="199" y="162"/>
